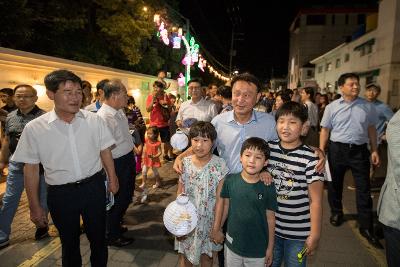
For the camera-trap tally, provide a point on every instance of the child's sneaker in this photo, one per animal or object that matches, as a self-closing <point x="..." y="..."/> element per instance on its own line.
<point x="144" y="196"/>
<point x="142" y="186"/>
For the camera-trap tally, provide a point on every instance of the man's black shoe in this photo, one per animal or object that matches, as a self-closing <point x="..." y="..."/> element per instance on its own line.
<point x="372" y="239"/>
<point x="4" y="243"/>
<point x="336" y="219"/>
<point x="167" y="158"/>
<point x="120" y="242"/>
<point x="41" y="233"/>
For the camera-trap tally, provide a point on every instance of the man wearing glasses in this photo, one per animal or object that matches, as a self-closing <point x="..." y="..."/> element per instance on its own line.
<point x="25" y="98"/>
<point x="197" y="108"/>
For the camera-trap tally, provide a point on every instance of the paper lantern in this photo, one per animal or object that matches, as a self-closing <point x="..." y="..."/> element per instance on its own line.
<point x="180" y="216"/>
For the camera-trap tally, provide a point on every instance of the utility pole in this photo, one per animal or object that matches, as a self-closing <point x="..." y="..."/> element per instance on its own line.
<point x="236" y="36"/>
<point x="231" y="52"/>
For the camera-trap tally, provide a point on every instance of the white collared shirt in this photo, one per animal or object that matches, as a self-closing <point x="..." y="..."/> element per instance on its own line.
<point x="204" y="110"/>
<point x="68" y="151"/>
<point x="118" y="125"/>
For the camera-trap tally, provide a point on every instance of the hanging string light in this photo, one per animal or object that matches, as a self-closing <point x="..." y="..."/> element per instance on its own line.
<point x="192" y="55"/>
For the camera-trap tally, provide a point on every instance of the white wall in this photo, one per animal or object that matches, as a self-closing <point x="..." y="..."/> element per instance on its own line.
<point x="18" y="67"/>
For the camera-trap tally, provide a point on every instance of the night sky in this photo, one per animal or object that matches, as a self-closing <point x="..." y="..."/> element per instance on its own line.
<point x="265" y="24"/>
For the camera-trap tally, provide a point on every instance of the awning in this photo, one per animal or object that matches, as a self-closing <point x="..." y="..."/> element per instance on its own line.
<point x="374" y="72"/>
<point x="369" y="42"/>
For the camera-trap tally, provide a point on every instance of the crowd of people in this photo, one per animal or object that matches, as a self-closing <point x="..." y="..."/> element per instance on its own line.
<point x="243" y="157"/>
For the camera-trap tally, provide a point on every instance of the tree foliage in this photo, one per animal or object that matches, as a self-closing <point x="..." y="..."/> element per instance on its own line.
<point x="115" y="33"/>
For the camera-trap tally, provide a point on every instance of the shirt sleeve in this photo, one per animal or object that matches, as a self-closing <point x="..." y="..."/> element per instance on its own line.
<point x="112" y="125"/>
<point x="373" y="115"/>
<point x="225" y="187"/>
<point x="223" y="169"/>
<point x="271" y="199"/>
<point x="311" y="174"/>
<point x="214" y="110"/>
<point x="326" y="120"/>
<point x="7" y="126"/>
<point x="106" y="138"/>
<point x="136" y="138"/>
<point x="149" y="100"/>
<point x="26" y="151"/>
<point x="179" y="115"/>
<point x="388" y="113"/>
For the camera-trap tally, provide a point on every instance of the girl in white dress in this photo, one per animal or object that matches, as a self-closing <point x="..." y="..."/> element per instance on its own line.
<point x="202" y="180"/>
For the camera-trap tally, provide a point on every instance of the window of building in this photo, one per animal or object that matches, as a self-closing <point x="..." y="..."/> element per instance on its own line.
<point x="346" y="19"/>
<point x="362" y="51"/>
<point x="328" y="87"/>
<point x="337" y="63"/>
<point x="328" y="66"/>
<point x="346" y="57"/>
<point x="309" y="73"/>
<point x="370" y="79"/>
<point x="360" y="19"/>
<point x="333" y="20"/>
<point x="315" y="20"/>
<point x="368" y="49"/>
<point x="320" y="69"/>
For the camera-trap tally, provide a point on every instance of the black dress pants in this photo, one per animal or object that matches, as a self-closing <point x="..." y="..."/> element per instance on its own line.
<point x="341" y="157"/>
<point x="70" y="201"/>
<point x="125" y="169"/>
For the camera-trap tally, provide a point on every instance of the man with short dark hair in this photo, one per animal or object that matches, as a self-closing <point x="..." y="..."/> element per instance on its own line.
<point x="349" y="124"/>
<point x="384" y="115"/>
<point x="25" y="98"/>
<point x="384" y="112"/>
<point x="112" y="112"/>
<point x="6" y="96"/>
<point x="73" y="146"/>
<point x="197" y="108"/>
<point x="307" y="96"/>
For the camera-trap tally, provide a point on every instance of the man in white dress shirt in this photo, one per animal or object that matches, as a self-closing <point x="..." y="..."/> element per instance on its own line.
<point x="73" y="145"/>
<point x="197" y="108"/>
<point x="115" y="99"/>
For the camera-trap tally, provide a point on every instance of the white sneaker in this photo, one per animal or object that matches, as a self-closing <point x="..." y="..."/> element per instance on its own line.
<point x="144" y="196"/>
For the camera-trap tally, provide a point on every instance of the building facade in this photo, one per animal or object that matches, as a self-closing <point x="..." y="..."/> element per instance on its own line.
<point x="317" y="30"/>
<point x="19" y="67"/>
<point x="374" y="56"/>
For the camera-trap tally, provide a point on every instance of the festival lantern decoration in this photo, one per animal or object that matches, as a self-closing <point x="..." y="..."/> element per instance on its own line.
<point x="175" y="37"/>
<point x="181" y="79"/>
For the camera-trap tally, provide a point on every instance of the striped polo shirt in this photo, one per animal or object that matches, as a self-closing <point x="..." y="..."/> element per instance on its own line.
<point x="292" y="171"/>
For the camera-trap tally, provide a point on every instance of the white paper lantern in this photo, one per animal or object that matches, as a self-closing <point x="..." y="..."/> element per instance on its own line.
<point x="180" y="216"/>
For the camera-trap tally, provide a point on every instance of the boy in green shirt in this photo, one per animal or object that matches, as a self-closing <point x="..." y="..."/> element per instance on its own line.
<point x="250" y="208"/>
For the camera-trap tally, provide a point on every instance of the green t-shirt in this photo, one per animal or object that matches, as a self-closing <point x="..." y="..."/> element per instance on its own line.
<point x="247" y="233"/>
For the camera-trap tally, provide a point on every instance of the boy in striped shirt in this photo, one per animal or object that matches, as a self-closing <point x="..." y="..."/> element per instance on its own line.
<point x="299" y="188"/>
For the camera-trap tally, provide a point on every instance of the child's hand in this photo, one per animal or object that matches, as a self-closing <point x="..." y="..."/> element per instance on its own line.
<point x="311" y="245"/>
<point x="266" y="177"/>
<point x="268" y="257"/>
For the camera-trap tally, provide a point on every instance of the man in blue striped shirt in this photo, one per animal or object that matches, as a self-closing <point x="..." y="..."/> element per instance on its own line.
<point x="351" y="121"/>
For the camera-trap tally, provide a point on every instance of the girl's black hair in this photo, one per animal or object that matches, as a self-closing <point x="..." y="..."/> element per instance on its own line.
<point x="203" y="129"/>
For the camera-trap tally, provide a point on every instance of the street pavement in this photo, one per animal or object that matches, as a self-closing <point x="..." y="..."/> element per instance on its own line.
<point x="153" y="245"/>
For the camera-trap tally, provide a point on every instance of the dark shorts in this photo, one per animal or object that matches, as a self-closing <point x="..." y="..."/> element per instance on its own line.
<point x="164" y="134"/>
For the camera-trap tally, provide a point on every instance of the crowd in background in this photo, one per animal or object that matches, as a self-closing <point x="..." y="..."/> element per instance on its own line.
<point x="141" y="143"/>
